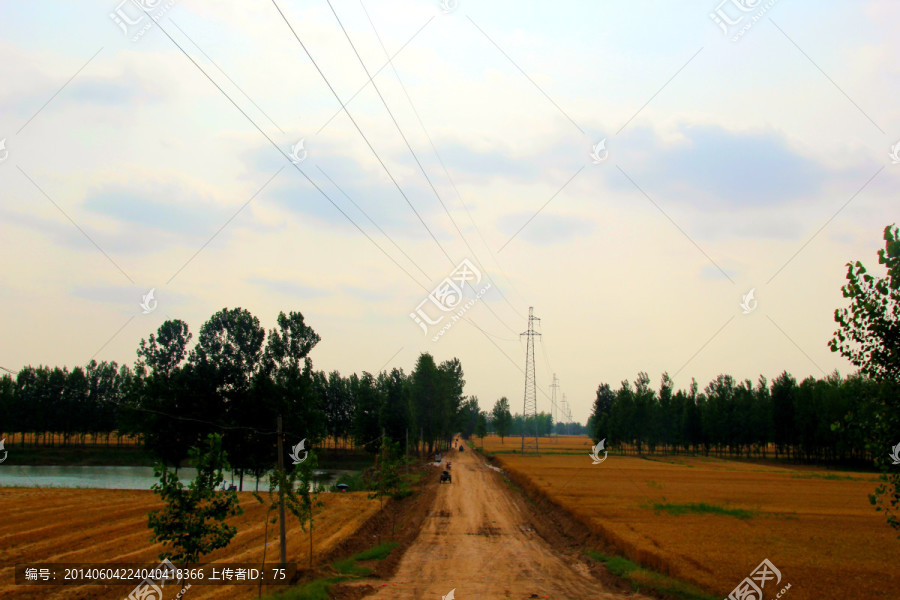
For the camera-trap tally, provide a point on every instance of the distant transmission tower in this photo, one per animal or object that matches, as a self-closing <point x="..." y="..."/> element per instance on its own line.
<point x="553" y="412"/>
<point x="565" y="412"/>
<point x="530" y="405"/>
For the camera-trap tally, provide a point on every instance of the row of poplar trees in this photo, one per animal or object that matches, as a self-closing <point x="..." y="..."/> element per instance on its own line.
<point x="234" y="381"/>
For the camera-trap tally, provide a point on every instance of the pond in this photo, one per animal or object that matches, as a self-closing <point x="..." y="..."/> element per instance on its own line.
<point x="123" y="478"/>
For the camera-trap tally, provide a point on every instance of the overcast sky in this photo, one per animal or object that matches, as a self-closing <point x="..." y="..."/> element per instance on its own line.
<point x="754" y="159"/>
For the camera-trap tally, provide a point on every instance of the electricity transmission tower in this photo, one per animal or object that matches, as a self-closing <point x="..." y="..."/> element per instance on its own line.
<point x="566" y="413"/>
<point x="553" y="412"/>
<point x="530" y="404"/>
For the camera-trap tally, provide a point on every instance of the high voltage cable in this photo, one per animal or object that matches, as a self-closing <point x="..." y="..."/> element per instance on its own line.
<point x="425" y="131"/>
<point x="369" y="144"/>
<point x="280" y="151"/>
<point x="352" y="120"/>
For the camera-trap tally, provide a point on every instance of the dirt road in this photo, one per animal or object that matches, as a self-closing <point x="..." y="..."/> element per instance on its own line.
<point x="477" y="541"/>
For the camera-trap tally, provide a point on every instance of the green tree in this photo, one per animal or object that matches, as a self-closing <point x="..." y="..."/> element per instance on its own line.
<point x="501" y="418"/>
<point x="603" y="405"/>
<point x="425" y="394"/>
<point x="481" y="426"/>
<point x="394" y="416"/>
<point x="387" y="482"/>
<point x="229" y="351"/>
<point x="367" y="403"/>
<point x="868" y="335"/>
<point x="192" y="522"/>
<point x="305" y="501"/>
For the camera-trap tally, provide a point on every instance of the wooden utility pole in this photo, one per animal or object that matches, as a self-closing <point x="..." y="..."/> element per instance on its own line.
<point x="281" y="496"/>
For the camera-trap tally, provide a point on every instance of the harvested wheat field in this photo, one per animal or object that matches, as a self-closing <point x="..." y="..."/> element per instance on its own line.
<point x="712" y="521"/>
<point x="102" y="526"/>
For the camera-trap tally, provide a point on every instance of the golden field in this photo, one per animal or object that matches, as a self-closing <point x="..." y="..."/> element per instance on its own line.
<point x="102" y="526"/>
<point x="816" y="526"/>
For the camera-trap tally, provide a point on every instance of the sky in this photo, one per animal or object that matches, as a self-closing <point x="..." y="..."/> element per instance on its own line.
<point x="631" y="170"/>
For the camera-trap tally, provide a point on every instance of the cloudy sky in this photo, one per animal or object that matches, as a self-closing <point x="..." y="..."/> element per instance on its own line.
<point x="754" y="154"/>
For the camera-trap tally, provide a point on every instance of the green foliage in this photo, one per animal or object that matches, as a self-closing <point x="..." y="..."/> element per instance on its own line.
<point x="192" y="523"/>
<point x="501" y="419"/>
<point x="641" y="578"/>
<point x="701" y="509"/>
<point x="379" y="552"/>
<point x="349" y="566"/>
<point x="481" y="425"/>
<point x="868" y="335"/>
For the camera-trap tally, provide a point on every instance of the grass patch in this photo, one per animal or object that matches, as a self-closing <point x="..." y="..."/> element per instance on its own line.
<point x="702" y="508"/>
<point x="642" y="579"/>
<point x="314" y="590"/>
<point x="319" y="589"/>
<point x="378" y="552"/>
<point x="349" y="567"/>
<point x="831" y="476"/>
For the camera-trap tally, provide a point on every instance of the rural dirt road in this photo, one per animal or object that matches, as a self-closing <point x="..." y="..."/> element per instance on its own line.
<point x="478" y="541"/>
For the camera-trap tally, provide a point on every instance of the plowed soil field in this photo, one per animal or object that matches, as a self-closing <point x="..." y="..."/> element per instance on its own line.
<point x="712" y="521"/>
<point x="103" y="526"/>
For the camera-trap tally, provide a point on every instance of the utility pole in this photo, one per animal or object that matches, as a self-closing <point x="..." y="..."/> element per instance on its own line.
<point x="281" y="495"/>
<point x="530" y="402"/>
<point x="553" y="412"/>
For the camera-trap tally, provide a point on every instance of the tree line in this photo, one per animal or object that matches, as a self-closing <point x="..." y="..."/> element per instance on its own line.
<point x="821" y="420"/>
<point x="235" y="381"/>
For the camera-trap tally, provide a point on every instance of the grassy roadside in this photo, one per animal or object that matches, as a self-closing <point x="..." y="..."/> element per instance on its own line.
<point x="645" y="580"/>
<point x="357" y="566"/>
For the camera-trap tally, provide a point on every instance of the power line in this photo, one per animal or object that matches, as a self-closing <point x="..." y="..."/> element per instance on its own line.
<point x="363" y="135"/>
<point x="286" y="157"/>
<point x="406" y="141"/>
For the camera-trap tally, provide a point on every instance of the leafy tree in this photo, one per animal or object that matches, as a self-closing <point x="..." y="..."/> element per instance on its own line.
<point x="869" y="336"/>
<point x="425" y="399"/>
<point x="387" y="477"/>
<point x="603" y="405"/>
<point x="367" y="406"/>
<point x="481" y="426"/>
<point x="869" y="330"/>
<point x="229" y="351"/>
<point x="192" y="523"/>
<point x="501" y="418"/>
<point x="469" y="412"/>
<point x="394" y="415"/>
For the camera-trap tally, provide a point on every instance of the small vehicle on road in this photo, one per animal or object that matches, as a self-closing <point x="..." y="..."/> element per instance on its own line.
<point x="448" y="465"/>
<point x="445" y="476"/>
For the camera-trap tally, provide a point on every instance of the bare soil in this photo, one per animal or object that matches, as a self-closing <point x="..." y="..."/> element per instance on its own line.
<point x="483" y="540"/>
